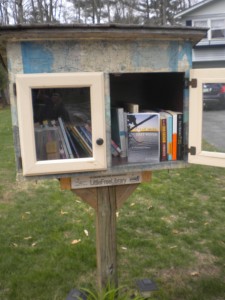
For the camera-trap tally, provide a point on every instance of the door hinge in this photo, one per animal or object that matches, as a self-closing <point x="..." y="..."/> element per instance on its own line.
<point x="191" y="150"/>
<point x="14" y="89"/>
<point x="191" y="83"/>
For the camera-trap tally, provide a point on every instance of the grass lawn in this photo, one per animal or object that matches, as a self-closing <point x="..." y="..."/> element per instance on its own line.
<point x="170" y="230"/>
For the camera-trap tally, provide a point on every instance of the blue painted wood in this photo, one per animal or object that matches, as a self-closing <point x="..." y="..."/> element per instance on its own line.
<point x="36" y="58"/>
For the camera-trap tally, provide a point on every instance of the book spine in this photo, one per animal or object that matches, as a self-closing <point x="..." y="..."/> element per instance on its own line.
<point x="122" y="134"/>
<point x="73" y="147"/>
<point x="174" y="137"/>
<point x="163" y="139"/>
<point x="115" y="149"/>
<point x="81" y="140"/>
<point x="115" y="126"/>
<point x="180" y="136"/>
<point x="169" y="137"/>
<point x="85" y="134"/>
<point x="63" y="149"/>
<point x="65" y="137"/>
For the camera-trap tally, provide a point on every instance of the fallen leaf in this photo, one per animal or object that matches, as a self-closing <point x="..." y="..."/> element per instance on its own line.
<point x="132" y="204"/>
<point x="27" y="212"/>
<point x="15" y="245"/>
<point x="74" y="242"/>
<point x="34" y="244"/>
<point x="173" y="247"/>
<point x="117" y="214"/>
<point x="28" y="238"/>
<point x="124" y="248"/>
<point x="195" y="274"/>
<point x="64" y="212"/>
<point x="86" y="232"/>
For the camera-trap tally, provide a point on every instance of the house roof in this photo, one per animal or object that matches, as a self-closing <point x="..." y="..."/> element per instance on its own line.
<point x="194" y="7"/>
<point x="13" y="33"/>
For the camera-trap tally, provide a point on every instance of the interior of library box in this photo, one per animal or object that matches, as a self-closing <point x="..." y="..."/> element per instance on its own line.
<point x="61" y="127"/>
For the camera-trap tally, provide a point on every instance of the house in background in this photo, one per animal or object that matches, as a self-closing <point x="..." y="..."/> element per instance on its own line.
<point x="210" y="51"/>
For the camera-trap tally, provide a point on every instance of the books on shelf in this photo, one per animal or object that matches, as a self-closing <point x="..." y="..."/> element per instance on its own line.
<point x="57" y="140"/>
<point x="177" y="134"/>
<point x="139" y="137"/>
<point x="169" y="137"/>
<point x="143" y="137"/>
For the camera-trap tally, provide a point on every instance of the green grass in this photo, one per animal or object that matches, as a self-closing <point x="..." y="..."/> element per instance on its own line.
<point x="170" y="230"/>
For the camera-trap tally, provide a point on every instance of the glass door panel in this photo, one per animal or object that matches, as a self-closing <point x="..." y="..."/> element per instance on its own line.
<point x="62" y="123"/>
<point x="206" y="117"/>
<point x="213" y="128"/>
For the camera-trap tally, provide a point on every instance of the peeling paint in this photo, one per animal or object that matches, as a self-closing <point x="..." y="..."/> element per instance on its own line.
<point x="106" y="56"/>
<point x="36" y="58"/>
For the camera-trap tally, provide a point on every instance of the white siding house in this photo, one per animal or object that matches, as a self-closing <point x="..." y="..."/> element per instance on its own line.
<point x="210" y="51"/>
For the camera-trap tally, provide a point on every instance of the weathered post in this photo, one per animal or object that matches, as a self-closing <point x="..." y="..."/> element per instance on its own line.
<point x="106" y="201"/>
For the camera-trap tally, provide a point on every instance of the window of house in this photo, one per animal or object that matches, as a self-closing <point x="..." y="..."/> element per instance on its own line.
<point x="216" y="28"/>
<point x="201" y="23"/>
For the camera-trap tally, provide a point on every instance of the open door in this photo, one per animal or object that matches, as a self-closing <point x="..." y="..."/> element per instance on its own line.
<point x="207" y="117"/>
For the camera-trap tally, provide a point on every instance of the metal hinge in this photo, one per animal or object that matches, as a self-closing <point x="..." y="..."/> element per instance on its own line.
<point x="191" y="83"/>
<point x="14" y="89"/>
<point x="191" y="150"/>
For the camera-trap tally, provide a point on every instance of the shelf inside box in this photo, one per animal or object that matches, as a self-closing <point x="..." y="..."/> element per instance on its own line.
<point x="139" y="103"/>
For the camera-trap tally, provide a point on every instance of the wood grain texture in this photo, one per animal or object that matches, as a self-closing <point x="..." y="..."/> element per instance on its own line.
<point x="106" y="236"/>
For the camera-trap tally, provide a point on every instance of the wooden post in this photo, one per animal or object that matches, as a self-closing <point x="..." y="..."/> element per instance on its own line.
<point x="106" y="237"/>
<point x="106" y="200"/>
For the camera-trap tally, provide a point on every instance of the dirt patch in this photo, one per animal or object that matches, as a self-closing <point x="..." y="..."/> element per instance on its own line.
<point x="201" y="197"/>
<point x="203" y="267"/>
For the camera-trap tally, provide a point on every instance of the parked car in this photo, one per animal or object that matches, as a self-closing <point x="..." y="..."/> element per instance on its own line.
<point x="213" y="95"/>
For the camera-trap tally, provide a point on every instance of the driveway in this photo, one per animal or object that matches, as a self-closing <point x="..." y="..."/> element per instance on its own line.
<point x="214" y="128"/>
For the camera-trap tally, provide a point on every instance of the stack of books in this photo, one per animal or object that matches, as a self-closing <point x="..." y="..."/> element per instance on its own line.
<point x="149" y="136"/>
<point x="56" y="140"/>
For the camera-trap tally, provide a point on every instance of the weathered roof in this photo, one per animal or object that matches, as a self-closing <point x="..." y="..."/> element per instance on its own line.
<point x="103" y="31"/>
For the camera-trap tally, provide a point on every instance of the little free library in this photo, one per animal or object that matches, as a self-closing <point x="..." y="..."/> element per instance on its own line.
<point x="104" y="105"/>
<point x="100" y="99"/>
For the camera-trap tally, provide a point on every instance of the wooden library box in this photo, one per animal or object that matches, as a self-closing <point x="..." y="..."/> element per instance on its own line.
<point x="106" y="100"/>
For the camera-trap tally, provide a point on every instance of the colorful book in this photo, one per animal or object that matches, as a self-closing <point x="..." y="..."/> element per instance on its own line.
<point x="72" y="142"/>
<point x="143" y="137"/>
<point x="174" y="134"/>
<point x="163" y="138"/>
<point x="177" y="142"/>
<point x="180" y="136"/>
<point x="81" y="141"/>
<point x="85" y="134"/>
<point x="169" y="122"/>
